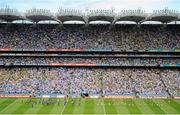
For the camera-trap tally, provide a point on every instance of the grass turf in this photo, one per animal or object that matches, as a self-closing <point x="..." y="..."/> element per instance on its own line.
<point x="91" y="106"/>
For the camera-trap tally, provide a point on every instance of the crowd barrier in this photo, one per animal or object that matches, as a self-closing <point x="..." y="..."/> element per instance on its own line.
<point x="96" y="96"/>
<point x="87" y="56"/>
<point x="14" y="96"/>
<point x="90" y="65"/>
<point x="153" y="97"/>
<point x="84" y="65"/>
<point x="176" y="97"/>
<point x="119" y="97"/>
<point x="87" y="50"/>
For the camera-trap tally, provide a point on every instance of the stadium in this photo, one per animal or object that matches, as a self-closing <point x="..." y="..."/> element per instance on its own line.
<point x="89" y="68"/>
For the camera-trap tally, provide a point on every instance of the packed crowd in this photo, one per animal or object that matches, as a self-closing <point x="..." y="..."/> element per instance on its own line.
<point x="63" y="81"/>
<point x="127" y="37"/>
<point x="172" y="81"/>
<point x="74" y="81"/>
<point x="116" y="61"/>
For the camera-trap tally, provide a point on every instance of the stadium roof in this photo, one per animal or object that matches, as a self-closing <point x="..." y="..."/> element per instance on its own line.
<point x="70" y="15"/>
<point x="101" y="15"/>
<point x="9" y="15"/>
<point x="178" y="18"/>
<point x="166" y="15"/>
<point x="35" y="15"/>
<point x="131" y="15"/>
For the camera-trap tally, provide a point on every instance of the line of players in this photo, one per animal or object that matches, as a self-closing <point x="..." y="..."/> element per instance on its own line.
<point x="51" y="102"/>
<point x="73" y="101"/>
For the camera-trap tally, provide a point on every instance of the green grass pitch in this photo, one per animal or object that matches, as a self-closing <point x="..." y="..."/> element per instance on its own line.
<point x="91" y="106"/>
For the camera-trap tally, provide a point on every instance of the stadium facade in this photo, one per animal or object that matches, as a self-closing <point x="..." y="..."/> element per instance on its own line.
<point x="139" y="16"/>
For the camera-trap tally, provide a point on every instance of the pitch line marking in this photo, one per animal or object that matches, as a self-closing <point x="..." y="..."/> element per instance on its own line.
<point x="64" y="107"/>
